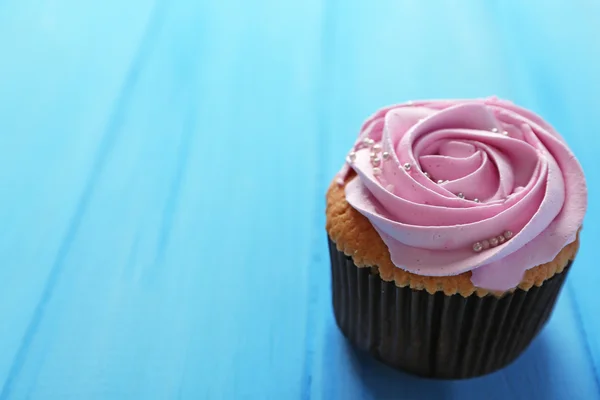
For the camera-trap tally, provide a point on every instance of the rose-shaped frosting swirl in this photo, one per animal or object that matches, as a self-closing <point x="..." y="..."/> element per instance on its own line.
<point x="466" y="185"/>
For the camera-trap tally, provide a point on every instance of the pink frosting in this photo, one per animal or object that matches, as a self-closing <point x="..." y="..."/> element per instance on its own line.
<point x="520" y="170"/>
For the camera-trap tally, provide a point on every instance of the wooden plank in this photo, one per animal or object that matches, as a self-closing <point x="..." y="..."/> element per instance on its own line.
<point x="61" y="71"/>
<point x="187" y="273"/>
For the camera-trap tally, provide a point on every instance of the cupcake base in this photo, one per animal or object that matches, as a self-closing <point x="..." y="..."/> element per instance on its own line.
<point x="437" y="335"/>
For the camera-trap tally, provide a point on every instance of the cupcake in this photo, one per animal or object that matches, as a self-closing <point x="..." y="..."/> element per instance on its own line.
<point x="452" y="226"/>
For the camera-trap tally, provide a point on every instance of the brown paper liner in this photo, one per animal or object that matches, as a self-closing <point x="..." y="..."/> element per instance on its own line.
<point x="437" y="335"/>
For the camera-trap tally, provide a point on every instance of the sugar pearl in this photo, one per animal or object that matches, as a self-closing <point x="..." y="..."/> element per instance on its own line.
<point x="477" y="247"/>
<point x="508" y="235"/>
<point x="493" y="242"/>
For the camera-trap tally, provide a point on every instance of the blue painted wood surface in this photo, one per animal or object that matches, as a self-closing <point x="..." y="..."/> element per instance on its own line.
<point x="162" y="174"/>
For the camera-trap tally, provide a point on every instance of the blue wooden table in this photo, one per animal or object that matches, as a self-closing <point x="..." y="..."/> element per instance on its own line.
<point x="163" y="166"/>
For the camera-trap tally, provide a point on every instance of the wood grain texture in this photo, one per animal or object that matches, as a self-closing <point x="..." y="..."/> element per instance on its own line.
<point x="163" y="166"/>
